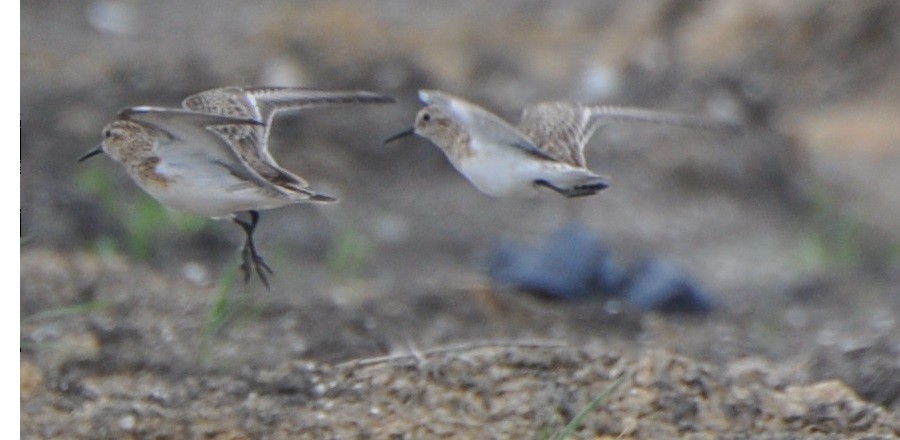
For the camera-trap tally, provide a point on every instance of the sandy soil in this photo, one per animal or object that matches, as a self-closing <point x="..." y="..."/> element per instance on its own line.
<point x="381" y="322"/>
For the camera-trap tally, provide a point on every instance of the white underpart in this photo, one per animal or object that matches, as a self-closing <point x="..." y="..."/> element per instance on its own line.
<point x="501" y="171"/>
<point x="208" y="190"/>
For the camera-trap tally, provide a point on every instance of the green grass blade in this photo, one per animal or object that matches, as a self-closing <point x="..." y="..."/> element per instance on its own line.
<point x="76" y="309"/>
<point x="579" y="418"/>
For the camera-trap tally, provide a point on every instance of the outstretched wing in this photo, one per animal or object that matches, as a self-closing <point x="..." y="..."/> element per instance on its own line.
<point x="605" y="113"/>
<point x="190" y="130"/>
<point x="261" y="104"/>
<point x="562" y="129"/>
<point x="481" y="123"/>
<point x="177" y="117"/>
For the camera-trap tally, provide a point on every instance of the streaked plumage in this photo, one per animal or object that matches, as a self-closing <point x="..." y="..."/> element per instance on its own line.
<point x="212" y="158"/>
<point x="546" y="149"/>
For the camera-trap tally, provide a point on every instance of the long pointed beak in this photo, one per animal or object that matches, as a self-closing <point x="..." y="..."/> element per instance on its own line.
<point x="94" y="151"/>
<point x="408" y="132"/>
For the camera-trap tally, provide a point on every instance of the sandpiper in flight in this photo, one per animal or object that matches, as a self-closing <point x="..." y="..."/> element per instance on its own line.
<point x="546" y="149"/>
<point x="211" y="158"/>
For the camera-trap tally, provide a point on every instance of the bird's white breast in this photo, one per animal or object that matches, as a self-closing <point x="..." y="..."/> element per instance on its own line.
<point x="208" y="190"/>
<point x="500" y="171"/>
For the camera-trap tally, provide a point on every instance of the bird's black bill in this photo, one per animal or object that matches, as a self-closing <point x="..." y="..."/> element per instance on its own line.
<point x="94" y="151"/>
<point x="408" y="132"/>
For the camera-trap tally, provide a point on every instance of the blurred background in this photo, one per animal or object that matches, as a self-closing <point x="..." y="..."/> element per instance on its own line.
<point x="792" y="225"/>
<point x="810" y="182"/>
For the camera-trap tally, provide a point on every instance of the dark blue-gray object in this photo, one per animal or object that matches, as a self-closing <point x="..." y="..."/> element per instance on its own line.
<point x="564" y="266"/>
<point x="609" y="277"/>
<point x="660" y="285"/>
<point x="573" y="263"/>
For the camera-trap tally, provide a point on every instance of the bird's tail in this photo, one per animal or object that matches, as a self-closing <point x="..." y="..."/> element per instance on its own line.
<point x="575" y="182"/>
<point x="308" y="195"/>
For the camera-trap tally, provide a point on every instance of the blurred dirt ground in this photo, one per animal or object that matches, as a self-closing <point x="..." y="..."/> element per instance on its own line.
<point x="134" y="324"/>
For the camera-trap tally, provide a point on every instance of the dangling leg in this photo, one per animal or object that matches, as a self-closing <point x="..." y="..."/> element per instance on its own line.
<point x="250" y="259"/>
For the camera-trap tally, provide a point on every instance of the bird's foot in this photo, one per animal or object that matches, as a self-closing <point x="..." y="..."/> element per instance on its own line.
<point x="251" y="262"/>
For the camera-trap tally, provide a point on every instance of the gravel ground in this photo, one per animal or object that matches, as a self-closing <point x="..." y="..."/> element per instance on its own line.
<point x="380" y="322"/>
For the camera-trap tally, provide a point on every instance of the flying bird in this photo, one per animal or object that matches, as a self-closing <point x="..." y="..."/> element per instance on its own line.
<point x="546" y="149"/>
<point x="211" y="157"/>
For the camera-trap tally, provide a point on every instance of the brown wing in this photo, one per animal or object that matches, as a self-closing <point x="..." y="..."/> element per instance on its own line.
<point x="262" y="103"/>
<point x="560" y="129"/>
<point x="601" y="114"/>
<point x="250" y="142"/>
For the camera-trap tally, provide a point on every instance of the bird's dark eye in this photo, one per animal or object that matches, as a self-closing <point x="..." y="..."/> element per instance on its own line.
<point x="426" y="117"/>
<point x="107" y="133"/>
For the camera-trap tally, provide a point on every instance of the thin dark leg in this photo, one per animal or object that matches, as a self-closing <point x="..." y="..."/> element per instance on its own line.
<point x="250" y="259"/>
